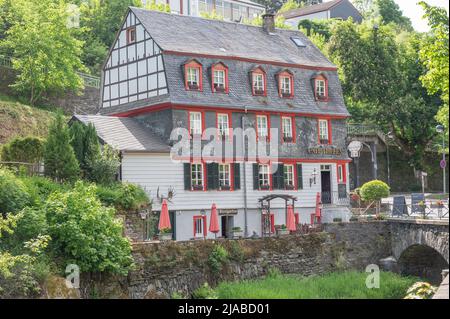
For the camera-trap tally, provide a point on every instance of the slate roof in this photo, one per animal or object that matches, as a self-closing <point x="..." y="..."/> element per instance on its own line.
<point x="124" y="134"/>
<point x="320" y="7"/>
<point x="196" y="35"/>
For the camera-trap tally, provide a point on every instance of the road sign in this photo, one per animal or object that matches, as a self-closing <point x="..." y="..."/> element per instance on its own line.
<point x="443" y="164"/>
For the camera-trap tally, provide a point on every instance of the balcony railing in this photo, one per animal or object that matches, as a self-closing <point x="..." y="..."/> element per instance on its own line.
<point x="335" y="198"/>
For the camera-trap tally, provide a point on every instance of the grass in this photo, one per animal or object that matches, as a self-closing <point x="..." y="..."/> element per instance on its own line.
<point x="20" y="120"/>
<point x="344" y="285"/>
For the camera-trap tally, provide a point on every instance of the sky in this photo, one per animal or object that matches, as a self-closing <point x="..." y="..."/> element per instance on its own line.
<point x="414" y="12"/>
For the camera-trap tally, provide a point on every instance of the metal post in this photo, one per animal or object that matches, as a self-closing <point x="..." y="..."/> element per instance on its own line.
<point x="443" y="158"/>
<point x="388" y="165"/>
<point x="357" y="172"/>
<point x="373" y="149"/>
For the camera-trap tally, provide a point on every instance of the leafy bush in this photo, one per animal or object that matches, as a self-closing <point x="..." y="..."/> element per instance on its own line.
<point x="26" y="150"/>
<point x="236" y="251"/>
<point x="85" y="233"/>
<point x="273" y="272"/>
<point x="204" y="292"/>
<point x="217" y="258"/>
<point x="13" y="193"/>
<point x="123" y="196"/>
<point x="40" y="188"/>
<point x="374" y="190"/>
<point x="103" y="169"/>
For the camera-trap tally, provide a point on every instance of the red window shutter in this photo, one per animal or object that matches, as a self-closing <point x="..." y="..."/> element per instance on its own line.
<point x="297" y="218"/>
<point x="272" y="223"/>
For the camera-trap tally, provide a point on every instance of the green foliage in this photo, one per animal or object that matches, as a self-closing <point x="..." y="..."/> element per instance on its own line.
<point x="236" y="251"/>
<point x="289" y="5"/>
<point x="39" y="188"/>
<point x="77" y="133"/>
<point x="389" y="12"/>
<point x="217" y="258"/>
<point x="204" y="292"/>
<point x="339" y="285"/>
<point x="123" y="196"/>
<point x="421" y="290"/>
<point x="25" y="150"/>
<point x="103" y="169"/>
<point x="163" y="7"/>
<point x="45" y="53"/>
<point x="434" y="54"/>
<point x="374" y="190"/>
<point x="273" y="273"/>
<point x="59" y="157"/>
<point x="13" y="195"/>
<point x="86" y="233"/>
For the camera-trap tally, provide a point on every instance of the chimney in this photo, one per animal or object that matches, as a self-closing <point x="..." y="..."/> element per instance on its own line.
<point x="268" y="22"/>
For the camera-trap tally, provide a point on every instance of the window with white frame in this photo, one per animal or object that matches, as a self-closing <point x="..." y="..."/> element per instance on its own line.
<point x="287" y="128"/>
<point x="197" y="175"/>
<point x="340" y="169"/>
<point x="219" y="80"/>
<point x="224" y="175"/>
<point x="198" y="226"/>
<point x="288" y="175"/>
<point x="264" y="177"/>
<point x="195" y="123"/>
<point x="262" y="126"/>
<point x="193" y="75"/>
<point x="323" y="131"/>
<point x="320" y="89"/>
<point x="258" y="83"/>
<point x="285" y="82"/>
<point x="223" y="125"/>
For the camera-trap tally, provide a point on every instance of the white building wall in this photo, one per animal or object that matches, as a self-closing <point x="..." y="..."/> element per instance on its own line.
<point x="153" y="171"/>
<point x="314" y="16"/>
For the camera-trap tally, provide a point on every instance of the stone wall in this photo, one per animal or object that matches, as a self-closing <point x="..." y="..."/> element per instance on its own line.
<point x="163" y="269"/>
<point x="85" y="103"/>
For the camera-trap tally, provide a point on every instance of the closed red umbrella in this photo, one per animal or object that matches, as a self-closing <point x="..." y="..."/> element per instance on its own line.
<point x="164" y="219"/>
<point x="214" y="220"/>
<point x="290" y="223"/>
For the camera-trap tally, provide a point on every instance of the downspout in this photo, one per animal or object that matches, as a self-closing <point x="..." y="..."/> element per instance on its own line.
<point x="244" y="118"/>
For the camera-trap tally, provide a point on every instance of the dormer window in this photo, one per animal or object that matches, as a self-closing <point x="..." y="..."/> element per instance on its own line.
<point x="219" y="78"/>
<point x="258" y="81"/>
<point x="320" y="88"/>
<point x="193" y="75"/>
<point x="131" y="35"/>
<point x="286" y="84"/>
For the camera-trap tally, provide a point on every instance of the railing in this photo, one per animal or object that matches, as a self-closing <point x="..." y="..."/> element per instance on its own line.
<point x="335" y="198"/>
<point x="365" y="129"/>
<point x="89" y="80"/>
<point x="426" y="210"/>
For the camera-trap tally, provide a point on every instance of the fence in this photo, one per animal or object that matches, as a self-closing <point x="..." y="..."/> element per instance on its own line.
<point x="89" y="80"/>
<point x="335" y="198"/>
<point x="30" y="169"/>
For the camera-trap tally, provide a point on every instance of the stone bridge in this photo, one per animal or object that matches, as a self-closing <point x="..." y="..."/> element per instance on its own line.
<point x="420" y="247"/>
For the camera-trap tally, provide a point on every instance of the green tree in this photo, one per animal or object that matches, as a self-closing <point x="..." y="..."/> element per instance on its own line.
<point x="26" y="150"/>
<point x="44" y="51"/>
<point x="59" y="158"/>
<point x="434" y="54"/>
<point x="390" y="12"/>
<point x="77" y="133"/>
<point x="86" y="233"/>
<point x="13" y="195"/>
<point x="290" y="5"/>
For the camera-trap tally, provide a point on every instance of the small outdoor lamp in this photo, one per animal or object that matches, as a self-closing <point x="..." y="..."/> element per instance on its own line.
<point x="313" y="178"/>
<point x="203" y="212"/>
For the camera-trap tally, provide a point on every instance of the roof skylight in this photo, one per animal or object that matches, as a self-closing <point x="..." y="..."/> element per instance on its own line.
<point x="298" y="42"/>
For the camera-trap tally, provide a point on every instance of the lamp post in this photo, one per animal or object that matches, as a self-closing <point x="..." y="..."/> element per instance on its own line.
<point x="440" y="129"/>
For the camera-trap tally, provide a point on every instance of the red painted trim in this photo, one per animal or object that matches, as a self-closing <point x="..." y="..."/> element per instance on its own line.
<point x="205" y="230"/>
<point x="284" y="74"/>
<point x="293" y="131"/>
<point x="344" y="172"/>
<point x="279" y="160"/>
<point x="259" y="70"/>
<point x="328" y="129"/>
<point x="219" y="66"/>
<point x="322" y="78"/>
<point x="181" y="7"/>
<point x="176" y="106"/>
<point x="230" y="128"/>
<point x="235" y="58"/>
<point x="297" y="218"/>
<point x="272" y="223"/>
<point x="267" y="116"/>
<point x="194" y="64"/>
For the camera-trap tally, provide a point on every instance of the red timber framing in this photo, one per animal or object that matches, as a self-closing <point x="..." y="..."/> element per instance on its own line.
<point x="316" y="80"/>
<point x="280" y="77"/>
<point x="256" y="61"/>
<point x="258" y="71"/>
<point x="209" y="108"/>
<point x="219" y="66"/>
<point x="193" y="64"/>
